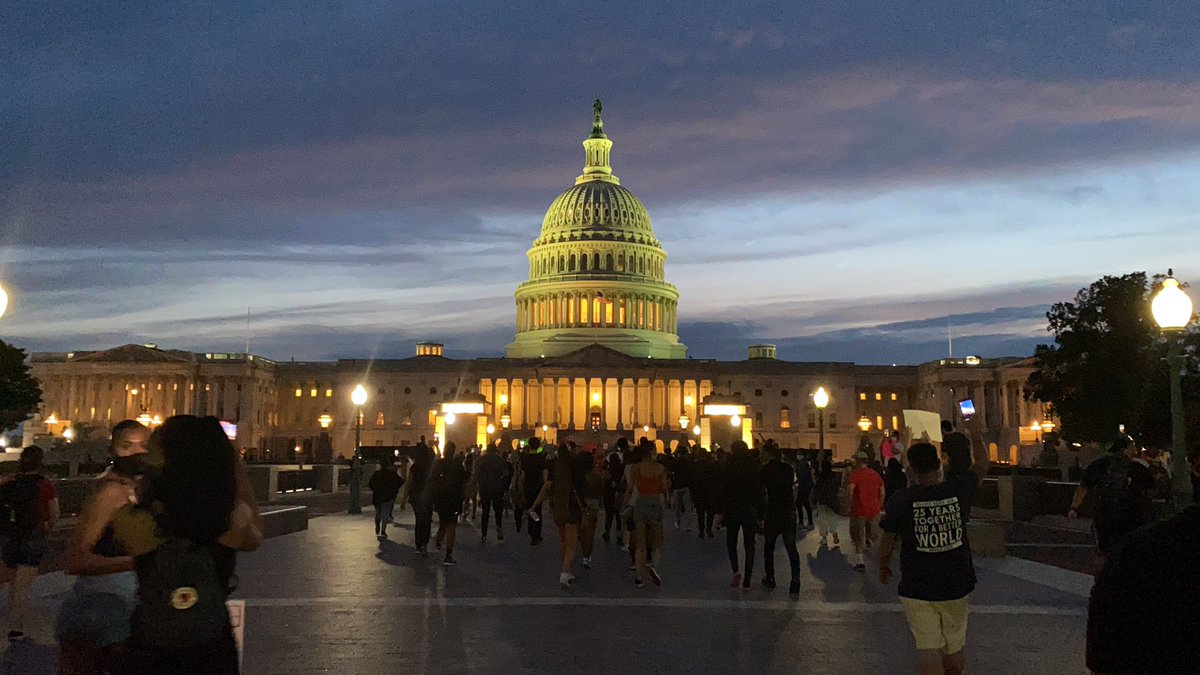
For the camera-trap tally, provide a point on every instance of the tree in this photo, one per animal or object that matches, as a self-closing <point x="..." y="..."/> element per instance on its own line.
<point x="20" y="393"/>
<point x="1107" y="366"/>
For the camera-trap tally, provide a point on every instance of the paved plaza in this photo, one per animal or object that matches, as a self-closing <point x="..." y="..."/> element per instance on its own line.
<point x="333" y="599"/>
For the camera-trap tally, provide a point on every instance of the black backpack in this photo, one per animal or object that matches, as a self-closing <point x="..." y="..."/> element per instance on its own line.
<point x="181" y="597"/>
<point x="19" y="507"/>
<point x="1113" y="488"/>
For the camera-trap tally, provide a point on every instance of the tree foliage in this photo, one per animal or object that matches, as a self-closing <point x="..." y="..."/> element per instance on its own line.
<point x="1107" y="365"/>
<point x="20" y="393"/>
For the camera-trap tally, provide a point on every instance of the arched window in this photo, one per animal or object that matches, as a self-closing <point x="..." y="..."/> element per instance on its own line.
<point x="571" y="263"/>
<point x="608" y="262"/>
<point x="621" y="262"/>
<point x="561" y="264"/>
<point x="595" y="261"/>
<point x="583" y="261"/>
<point x="641" y="265"/>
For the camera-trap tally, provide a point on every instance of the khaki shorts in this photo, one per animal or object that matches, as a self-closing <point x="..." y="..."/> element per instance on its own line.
<point x="864" y="530"/>
<point x="937" y="625"/>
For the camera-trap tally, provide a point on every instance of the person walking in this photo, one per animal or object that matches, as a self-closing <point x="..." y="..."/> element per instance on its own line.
<point x="804" y="489"/>
<point x="533" y="469"/>
<point x="449" y="485"/>
<point x="646" y="493"/>
<point x="1121" y="489"/>
<point x="418" y="491"/>
<point x="742" y="509"/>
<point x="825" y="499"/>
<point x="614" y="493"/>
<point x="894" y="479"/>
<point x="866" y="501"/>
<point x="590" y="484"/>
<point x="385" y="484"/>
<point x="28" y="510"/>
<point x="566" y="505"/>
<point x="93" y="622"/>
<point x="706" y="492"/>
<point x="682" y="477"/>
<point x="491" y="475"/>
<point x="780" y="518"/>
<point x="937" y="573"/>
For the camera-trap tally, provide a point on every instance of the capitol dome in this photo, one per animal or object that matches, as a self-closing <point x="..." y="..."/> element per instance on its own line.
<point x="596" y="272"/>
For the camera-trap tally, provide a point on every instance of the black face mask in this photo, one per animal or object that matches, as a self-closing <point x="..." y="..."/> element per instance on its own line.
<point x="132" y="466"/>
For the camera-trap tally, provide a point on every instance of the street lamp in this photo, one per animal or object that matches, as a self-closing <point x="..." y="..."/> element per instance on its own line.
<point x="683" y="421"/>
<point x="359" y="398"/>
<point x="1172" y="309"/>
<point x="864" y="423"/>
<point x="325" y="420"/>
<point x="3" y="300"/>
<point x="821" y="399"/>
<point x="696" y="430"/>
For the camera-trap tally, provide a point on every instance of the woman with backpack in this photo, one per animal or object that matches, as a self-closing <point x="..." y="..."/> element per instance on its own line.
<point x="191" y="519"/>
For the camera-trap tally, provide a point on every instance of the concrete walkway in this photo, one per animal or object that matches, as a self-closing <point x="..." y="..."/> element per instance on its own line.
<point x="332" y="599"/>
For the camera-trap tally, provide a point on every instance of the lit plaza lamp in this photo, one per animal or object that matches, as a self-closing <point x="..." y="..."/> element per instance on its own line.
<point x="1172" y="309"/>
<point x="3" y="300"/>
<point x="683" y="421"/>
<point x="821" y="400"/>
<point x="864" y="424"/>
<point x="359" y="398"/>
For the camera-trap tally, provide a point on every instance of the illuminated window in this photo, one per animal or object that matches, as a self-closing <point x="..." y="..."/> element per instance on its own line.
<point x="312" y="393"/>
<point x="175" y="387"/>
<point x="878" y="396"/>
<point x="879" y="421"/>
<point x="299" y="393"/>
<point x="862" y="395"/>
<point x="207" y="387"/>
<point x="785" y="418"/>
<point x="893" y="396"/>
<point x="159" y="386"/>
<point x="379" y="419"/>
<point x="895" y="422"/>
<point x="432" y="418"/>
<point x="328" y="393"/>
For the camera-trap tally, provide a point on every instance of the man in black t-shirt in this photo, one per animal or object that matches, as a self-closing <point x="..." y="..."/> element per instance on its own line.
<point x="385" y="484"/>
<point x="1121" y="488"/>
<point x="937" y="573"/>
<point x="778" y="477"/>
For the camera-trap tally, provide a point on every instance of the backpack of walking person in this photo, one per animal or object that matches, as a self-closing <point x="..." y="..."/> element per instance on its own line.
<point x="181" y="596"/>
<point x="19" y="507"/>
<point x="1113" y="488"/>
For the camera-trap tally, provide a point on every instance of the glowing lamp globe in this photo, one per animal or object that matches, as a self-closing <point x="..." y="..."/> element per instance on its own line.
<point x="821" y="398"/>
<point x="450" y="418"/>
<point x="3" y="301"/>
<point x="491" y="429"/>
<point x="359" y="395"/>
<point x="1172" y="308"/>
<point x="735" y="421"/>
<point x="696" y="430"/>
<point x="864" y="424"/>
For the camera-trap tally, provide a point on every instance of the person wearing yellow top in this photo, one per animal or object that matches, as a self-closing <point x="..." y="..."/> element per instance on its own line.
<point x="194" y="514"/>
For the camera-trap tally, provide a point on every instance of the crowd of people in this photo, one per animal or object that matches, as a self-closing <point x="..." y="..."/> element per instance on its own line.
<point x="153" y="551"/>
<point x="919" y="502"/>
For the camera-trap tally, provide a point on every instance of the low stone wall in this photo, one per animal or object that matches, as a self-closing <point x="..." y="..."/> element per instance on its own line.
<point x="281" y="520"/>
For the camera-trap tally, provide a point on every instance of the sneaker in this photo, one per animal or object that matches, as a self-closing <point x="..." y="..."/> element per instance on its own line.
<point x="638" y="582"/>
<point x="564" y="581"/>
<point x="654" y="576"/>
<point x="449" y="561"/>
<point x="633" y="568"/>
<point x="587" y="563"/>
<point x="736" y="580"/>
<point x="483" y="539"/>
<point x="824" y="541"/>
<point x="860" y="567"/>
<point x="16" y="636"/>
<point x="423" y="550"/>
<point x="499" y="536"/>
<point x="768" y="583"/>
<point x="746" y="584"/>
<point x="794" y="589"/>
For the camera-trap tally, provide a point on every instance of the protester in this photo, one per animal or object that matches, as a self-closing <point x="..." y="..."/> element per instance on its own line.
<point x="825" y="499"/>
<point x="866" y="500"/>
<point x="385" y="484"/>
<point x="1120" y="488"/>
<point x="646" y="491"/>
<point x="614" y="493"/>
<point x="894" y="479"/>
<point x="94" y="620"/>
<point x="588" y="476"/>
<point x="449" y="485"/>
<point x="533" y="468"/>
<point x="780" y="518"/>
<point x="706" y="492"/>
<point x="804" y="489"/>
<point x="937" y="573"/>
<point x="1143" y="608"/>
<point x="183" y="534"/>
<point x="742" y="509"/>
<point x="418" y="490"/>
<point x="491" y="476"/>
<point x="682" y="476"/>
<point x="558" y="485"/>
<point x="28" y="510"/>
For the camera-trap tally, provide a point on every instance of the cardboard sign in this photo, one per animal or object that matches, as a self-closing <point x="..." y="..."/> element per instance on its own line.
<point x="923" y="423"/>
<point x="237" y="618"/>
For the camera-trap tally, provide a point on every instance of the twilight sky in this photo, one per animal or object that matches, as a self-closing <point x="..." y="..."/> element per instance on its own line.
<point x="845" y="179"/>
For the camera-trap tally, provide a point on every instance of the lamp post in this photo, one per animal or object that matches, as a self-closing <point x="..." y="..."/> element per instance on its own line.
<point x="3" y="300"/>
<point x="359" y="398"/>
<point x="1172" y="309"/>
<point x="821" y="399"/>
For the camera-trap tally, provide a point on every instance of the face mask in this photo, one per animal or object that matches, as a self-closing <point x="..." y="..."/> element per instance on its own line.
<point x="132" y="466"/>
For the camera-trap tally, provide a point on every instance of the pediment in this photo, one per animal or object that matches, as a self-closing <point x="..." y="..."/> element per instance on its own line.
<point x="595" y="355"/>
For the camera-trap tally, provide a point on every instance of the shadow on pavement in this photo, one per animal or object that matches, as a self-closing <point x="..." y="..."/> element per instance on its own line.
<point x="390" y="553"/>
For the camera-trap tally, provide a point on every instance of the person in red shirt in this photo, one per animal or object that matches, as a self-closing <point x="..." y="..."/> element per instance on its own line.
<point x="31" y="505"/>
<point x="866" y="501"/>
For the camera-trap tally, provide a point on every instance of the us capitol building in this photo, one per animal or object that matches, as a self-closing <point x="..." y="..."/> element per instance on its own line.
<point x="596" y="355"/>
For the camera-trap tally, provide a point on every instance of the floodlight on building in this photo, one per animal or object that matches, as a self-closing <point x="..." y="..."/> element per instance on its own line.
<point x="462" y="408"/>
